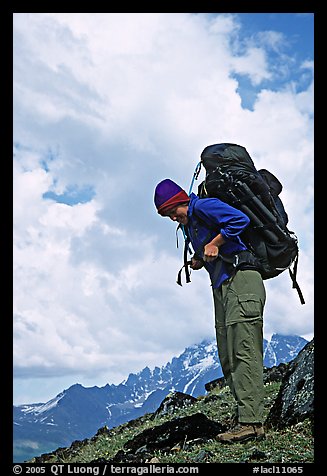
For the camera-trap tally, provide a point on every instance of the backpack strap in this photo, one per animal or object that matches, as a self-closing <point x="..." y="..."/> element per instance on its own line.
<point x="195" y="176"/>
<point x="186" y="239"/>
<point x="187" y="249"/>
<point x="293" y="278"/>
<point x="187" y="274"/>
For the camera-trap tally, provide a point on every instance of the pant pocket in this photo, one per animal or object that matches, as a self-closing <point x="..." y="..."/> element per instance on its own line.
<point x="250" y="305"/>
<point x="243" y="308"/>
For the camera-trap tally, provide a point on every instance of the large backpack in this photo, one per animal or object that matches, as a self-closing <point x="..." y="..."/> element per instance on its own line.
<point x="232" y="177"/>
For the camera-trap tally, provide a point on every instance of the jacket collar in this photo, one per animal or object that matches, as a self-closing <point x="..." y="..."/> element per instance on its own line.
<point x="193" y="199"/>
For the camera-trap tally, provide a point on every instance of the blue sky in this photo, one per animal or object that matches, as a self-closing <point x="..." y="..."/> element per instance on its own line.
<point x="106" y="106"/>
<point x="293" y="41"/>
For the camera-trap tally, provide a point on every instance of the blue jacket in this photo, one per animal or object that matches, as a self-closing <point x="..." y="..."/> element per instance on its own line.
<point x="207" y="217"/>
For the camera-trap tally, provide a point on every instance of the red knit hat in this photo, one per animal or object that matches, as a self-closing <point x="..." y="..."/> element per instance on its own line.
<point x="169" y="195"/>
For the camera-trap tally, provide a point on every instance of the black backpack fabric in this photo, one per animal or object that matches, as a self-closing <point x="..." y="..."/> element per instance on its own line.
<point x="232" y="177"/>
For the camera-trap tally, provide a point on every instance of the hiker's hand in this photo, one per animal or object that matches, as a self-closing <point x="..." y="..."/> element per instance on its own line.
<point x="196" y="264"/>
<point x="210" y="252"/>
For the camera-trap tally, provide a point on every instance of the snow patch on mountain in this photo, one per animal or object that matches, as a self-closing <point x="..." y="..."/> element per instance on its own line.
<point x="37" y="409"/>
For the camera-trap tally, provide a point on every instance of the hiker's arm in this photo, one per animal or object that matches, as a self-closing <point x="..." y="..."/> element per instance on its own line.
<point x="211" y="249"/>
<point x="229" y="220"/>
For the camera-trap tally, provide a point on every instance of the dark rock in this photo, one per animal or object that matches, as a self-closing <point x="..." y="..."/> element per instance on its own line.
<point x="101" y="431"/>
<point x="295" y="400"/>
<point x="203" y="456"/>
<point x="172" y="432"/>
<point x="173" y="401"/>
<point x="213" y="398"/>
<point x="142" y="449"/>
<point x="275" y="374"/>
<point x="218" y="382"/>
<point x="257" y="454"/>
<point x="126" y="457"/>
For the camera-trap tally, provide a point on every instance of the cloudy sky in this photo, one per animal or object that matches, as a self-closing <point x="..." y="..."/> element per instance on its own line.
<point x="105" y="106"/>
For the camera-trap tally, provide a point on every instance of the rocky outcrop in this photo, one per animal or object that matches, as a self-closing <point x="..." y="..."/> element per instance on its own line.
<point x="175" y="431"/>
<point x="172" y="434"/>
<point x="295" y="400"/>
<point x="173" y="401"/>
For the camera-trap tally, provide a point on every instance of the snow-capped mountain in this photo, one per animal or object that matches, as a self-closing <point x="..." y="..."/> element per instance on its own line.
<point x="282" y="349"/>
<point x="78" y="412"/>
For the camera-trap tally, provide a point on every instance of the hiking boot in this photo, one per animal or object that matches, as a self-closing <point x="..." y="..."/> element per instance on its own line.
<point x="242" y="432"/>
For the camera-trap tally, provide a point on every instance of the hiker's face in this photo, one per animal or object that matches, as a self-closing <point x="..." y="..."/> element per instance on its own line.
<point x="179" y="214"/>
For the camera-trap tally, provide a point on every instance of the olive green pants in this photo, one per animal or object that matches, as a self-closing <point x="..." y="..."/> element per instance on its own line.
<point x="239" y="305"/>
